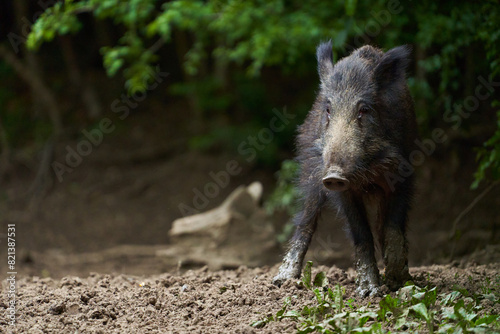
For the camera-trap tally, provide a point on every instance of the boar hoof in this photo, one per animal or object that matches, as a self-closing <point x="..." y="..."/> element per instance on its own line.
<point x="394" y="282"/>
<point x="279" y="280"/>
<point x="368" y="285"/>
<point x="285" y="274"/>
<point x="282" y="277"/>
<point x="365" y="290"/>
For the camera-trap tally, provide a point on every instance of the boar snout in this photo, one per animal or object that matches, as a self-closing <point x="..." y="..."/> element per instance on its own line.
<point x="334" y="181"/>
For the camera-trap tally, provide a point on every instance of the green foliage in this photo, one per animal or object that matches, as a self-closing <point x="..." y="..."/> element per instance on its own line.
<point x="129" y="55"/>
<point x="206" y="89"/>
<point x="255" y="33"/>
<point x="411" y="309"/>
<point x="285" y="196"/>
<point x="264" y="32"/>
<point x="489" y="156"/>
<point x="453" y="29"/>
<point x="252" y="34"/>
<point x="57" y="20"/>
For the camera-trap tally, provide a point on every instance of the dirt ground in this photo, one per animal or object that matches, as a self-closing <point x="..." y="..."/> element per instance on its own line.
<point x="198" y="301"/>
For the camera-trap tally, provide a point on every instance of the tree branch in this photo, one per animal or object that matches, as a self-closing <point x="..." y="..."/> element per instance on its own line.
<point x="38" y="86"/>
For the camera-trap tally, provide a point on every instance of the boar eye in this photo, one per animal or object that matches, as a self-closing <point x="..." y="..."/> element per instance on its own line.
<point x="362" y="111"/>
<point x="328" y="111"/>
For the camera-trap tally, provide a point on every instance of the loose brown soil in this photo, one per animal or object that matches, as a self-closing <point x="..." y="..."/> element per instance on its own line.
<point x="198" y="301"/>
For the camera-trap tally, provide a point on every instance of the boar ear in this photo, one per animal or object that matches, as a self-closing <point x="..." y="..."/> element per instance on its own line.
<point x="325" y="59"/>
<point x="391" y="69"/>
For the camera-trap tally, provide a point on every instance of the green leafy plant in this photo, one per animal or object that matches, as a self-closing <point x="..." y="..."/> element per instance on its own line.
<point x="488" y="156"/>
<point x="410" y="309"/>
<point x="286" y="193"/>
<point x="285" y="196"/>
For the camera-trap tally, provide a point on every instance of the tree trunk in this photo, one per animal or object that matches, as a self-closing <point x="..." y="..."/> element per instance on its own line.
<point x="5" y="153"/>
<point x="181" y="39"/>
<point x="470" y="74"/>
<point x="30" y="72"/>
<point x="80" y="85"/>
<point x="420" y="104"/>
<point x="38" y="87"/>
<point x="21" y="12"/>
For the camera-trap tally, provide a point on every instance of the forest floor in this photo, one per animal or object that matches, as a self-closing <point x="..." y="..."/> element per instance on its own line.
<point x="200" y="301"/>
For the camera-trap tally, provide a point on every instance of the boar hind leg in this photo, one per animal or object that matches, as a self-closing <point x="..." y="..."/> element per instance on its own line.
<point x="395" y="244"/>
<point x="366" y="266"/>
<point x="306" y="222"/>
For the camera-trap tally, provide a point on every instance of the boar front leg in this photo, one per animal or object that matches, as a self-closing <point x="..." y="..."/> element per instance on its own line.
<point x="394" y="243"/>
<point x="306" y="222"/>
<point x="367" y="272"/>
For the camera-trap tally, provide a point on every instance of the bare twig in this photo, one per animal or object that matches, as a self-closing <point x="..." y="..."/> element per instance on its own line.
<point x="466" y="211"/>
<point x="157" y="45"/>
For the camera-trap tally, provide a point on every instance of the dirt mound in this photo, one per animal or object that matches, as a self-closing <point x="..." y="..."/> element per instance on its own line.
<point x="198" y="301"/>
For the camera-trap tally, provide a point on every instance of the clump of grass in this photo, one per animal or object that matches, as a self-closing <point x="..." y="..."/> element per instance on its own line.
<point x="411" y="309"/>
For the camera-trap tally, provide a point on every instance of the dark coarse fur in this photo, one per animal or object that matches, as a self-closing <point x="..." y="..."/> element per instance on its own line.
<point x="350" y="147"/>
